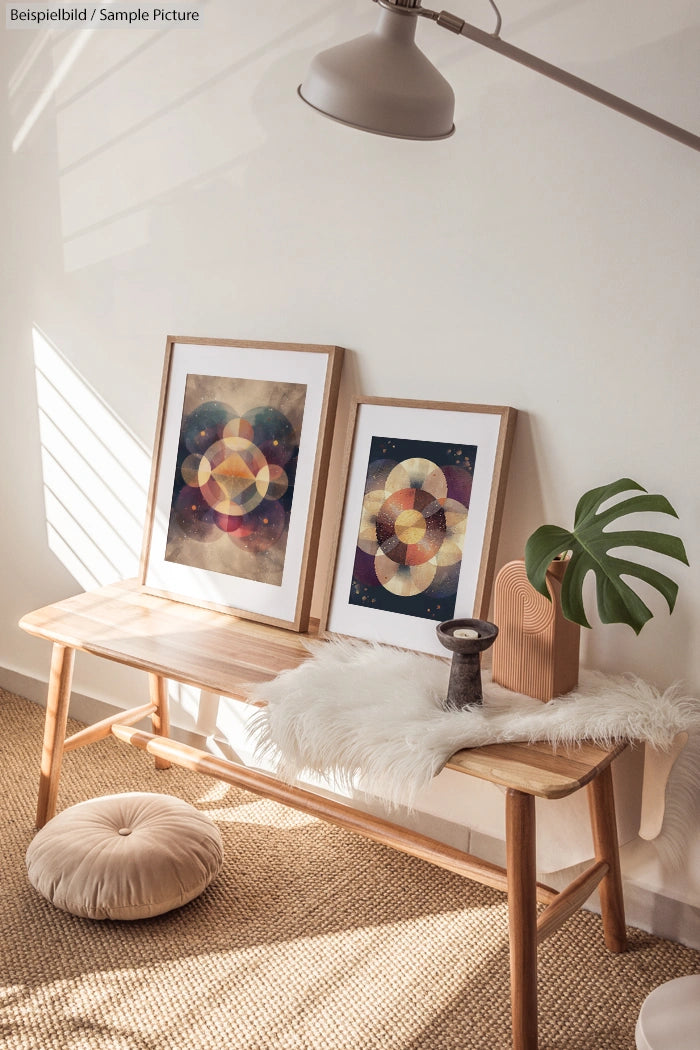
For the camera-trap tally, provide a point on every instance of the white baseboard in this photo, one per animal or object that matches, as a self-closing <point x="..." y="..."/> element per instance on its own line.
<point x="84" y="708"/>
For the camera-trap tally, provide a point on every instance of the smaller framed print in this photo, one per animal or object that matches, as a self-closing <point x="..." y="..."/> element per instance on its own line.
<point x="416" y="545"/>
<point x="239" y="472"/>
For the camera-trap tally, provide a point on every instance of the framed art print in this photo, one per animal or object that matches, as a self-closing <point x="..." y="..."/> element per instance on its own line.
<point x="239" y="471"/>
<point x="423" y="501"/>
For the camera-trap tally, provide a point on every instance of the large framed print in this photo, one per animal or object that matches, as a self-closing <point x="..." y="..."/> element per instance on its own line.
<point x="239" y="472"/>
<point x="416" y="544"/>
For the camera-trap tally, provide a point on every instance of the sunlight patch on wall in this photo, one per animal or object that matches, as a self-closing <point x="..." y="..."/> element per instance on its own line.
<point x="31" y="56"/>
<point x="188" y="701"/>
<point x="95" y="474"/>
<point x="52" y="86"/>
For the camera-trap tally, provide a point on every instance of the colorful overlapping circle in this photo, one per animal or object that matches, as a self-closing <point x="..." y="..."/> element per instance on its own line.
<point x="411" y="535"/>
<point x="235" y="475"/>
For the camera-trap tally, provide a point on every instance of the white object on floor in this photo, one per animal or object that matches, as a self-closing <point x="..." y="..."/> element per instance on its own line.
<point x="128" y="856"/>
<point x="670" y="1016"/>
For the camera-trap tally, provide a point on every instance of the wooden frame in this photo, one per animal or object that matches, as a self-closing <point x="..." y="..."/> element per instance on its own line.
<point x="415" y="471"/>
<point x="239" y="472"/>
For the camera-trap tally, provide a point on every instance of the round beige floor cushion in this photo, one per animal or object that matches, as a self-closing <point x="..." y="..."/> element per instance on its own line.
<point x="125" y="856"/>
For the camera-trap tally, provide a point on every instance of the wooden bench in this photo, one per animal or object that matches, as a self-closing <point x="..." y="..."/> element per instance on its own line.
<point x="222" y="653"/>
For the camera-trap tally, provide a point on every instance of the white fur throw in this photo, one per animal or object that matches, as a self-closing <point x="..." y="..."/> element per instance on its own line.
<point x="372" y="717"/>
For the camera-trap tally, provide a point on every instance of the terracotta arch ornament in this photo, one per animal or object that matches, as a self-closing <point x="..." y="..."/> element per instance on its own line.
<point x="537" y="649"/>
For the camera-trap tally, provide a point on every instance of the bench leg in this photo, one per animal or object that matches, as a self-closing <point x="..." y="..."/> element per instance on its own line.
<point x="57" y="702"/>
<point x="604" y="826"/>
<point x="160" y="719"/>
<point x="522" y="916"/>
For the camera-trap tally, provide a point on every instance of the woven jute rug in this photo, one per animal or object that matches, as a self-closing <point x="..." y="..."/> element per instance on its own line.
<point x="310" y="939"/>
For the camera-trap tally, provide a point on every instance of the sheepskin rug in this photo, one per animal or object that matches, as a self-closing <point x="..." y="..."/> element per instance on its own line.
<point x="373" y="718"/>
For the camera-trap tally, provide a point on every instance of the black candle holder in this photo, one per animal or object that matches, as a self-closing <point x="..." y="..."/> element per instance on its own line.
<point x="466" y="640"/>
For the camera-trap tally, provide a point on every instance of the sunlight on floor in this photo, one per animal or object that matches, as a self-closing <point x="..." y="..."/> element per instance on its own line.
<point x="253" y="813"/>
<point x="357" y="985"/>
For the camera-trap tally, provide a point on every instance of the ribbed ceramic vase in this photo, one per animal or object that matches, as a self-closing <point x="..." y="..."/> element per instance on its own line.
<point x="537" y="649"/>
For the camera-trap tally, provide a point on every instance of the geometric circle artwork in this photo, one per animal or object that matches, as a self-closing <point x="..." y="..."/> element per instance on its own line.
<point x="234" y="484"/>
<point x="228" y="476"/>
<point x="412" y="526"/>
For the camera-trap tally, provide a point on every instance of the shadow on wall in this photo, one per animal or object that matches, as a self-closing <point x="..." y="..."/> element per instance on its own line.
<point x="141" y="113"/>
<point x="95" y="474"/>
<point x="95" y="477"/>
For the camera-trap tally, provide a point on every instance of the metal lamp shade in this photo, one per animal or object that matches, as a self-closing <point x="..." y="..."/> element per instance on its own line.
<point x="382" y="82"/>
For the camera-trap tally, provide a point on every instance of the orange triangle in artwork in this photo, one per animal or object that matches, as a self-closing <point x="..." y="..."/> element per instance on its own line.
<point x="234" y="466"/>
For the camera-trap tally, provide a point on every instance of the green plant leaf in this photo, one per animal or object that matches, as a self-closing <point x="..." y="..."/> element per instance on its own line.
<point x="590" y="548"/>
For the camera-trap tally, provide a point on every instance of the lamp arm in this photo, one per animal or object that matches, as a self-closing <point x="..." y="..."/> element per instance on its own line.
<point x="494" y="43"/>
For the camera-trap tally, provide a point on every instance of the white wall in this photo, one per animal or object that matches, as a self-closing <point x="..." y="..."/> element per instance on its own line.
<point x="546" y="256"/>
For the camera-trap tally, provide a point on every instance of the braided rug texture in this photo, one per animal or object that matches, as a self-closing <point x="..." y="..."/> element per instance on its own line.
<point x="310" y="939"/>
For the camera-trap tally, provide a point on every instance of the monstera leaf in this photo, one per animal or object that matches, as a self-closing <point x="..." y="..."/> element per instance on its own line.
<point x="590" y="548"/>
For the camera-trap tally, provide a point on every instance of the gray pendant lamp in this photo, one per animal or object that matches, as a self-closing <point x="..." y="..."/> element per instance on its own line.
<point x="383" y="83"/>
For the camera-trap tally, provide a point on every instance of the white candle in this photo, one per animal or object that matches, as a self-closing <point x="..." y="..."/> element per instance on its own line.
<point x="465" y="632"/>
